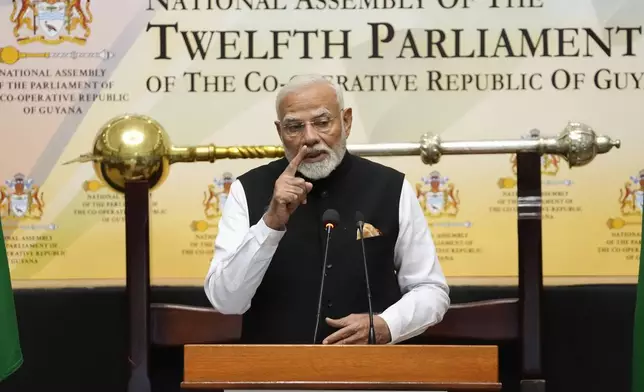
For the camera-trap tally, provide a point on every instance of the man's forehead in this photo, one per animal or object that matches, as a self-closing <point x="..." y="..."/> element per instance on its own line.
<point x="308" y="99"/>
<point x="306" y="114"/>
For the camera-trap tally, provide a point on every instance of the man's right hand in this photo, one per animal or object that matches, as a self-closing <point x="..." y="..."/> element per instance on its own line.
<point x="288" y="194"/>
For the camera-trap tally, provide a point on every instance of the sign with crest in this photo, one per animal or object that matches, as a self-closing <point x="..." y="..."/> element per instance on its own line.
<point x="631" y="200"/>
<point x="216" y="195"/>
<point x="213" y="202"/>
<point x="51" y="21"/>
<point x="631" y="196"/>
<point x="437" y="196"/>
<point x="20" y="199"/>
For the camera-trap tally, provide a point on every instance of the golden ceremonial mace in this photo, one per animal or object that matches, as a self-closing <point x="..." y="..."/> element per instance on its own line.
<point x="10" y="55"/>
<point x="136" y="147"/>
<point x="132" y="154"/>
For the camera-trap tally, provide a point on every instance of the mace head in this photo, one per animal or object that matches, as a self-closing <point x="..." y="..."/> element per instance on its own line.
<point x="130" y="147"/>
<point x="583" y="144"/>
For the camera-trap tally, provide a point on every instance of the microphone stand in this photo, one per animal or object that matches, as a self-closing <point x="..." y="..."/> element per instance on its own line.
<point x="372" y="330"/>
<point x="326" y="251"/>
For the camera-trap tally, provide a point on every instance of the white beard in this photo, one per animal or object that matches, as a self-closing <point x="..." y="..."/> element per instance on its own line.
<point x="322" y="169"/>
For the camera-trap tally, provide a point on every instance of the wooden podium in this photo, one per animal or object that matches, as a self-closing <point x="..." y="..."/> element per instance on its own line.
<point x="314" y="367"/>
<point x="211" y="365"/>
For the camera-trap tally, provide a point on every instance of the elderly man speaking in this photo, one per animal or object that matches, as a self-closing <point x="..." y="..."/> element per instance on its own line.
<point x="270" y="248"/>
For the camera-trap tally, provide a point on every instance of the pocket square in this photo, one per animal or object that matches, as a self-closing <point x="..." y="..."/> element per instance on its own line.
<point x="369" y="231"/>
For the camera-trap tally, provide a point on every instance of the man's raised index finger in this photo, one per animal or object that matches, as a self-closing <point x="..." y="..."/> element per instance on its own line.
<point x="295" y="162"/>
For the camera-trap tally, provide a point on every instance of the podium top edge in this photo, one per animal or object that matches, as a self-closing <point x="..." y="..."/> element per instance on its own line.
<point x="352" y="346"/>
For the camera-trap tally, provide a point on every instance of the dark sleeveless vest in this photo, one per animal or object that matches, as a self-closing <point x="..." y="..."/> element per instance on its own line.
<point x="284" y="308"/>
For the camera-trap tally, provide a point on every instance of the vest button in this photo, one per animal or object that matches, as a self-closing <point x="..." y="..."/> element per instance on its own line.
<point x="329" y="265"/>
<point x="329" y="304"/>
<point x="324" y="194"/>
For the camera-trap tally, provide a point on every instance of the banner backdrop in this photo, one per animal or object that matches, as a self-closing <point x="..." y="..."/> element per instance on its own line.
<point x="208" y="70"/>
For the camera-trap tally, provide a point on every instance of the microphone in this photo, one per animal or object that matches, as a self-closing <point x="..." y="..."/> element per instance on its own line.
<point x="330" y="219"/>
<point x="372" y="330"/>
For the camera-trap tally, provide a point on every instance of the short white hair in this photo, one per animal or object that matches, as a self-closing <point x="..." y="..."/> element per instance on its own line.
<point x="298" y="82"/>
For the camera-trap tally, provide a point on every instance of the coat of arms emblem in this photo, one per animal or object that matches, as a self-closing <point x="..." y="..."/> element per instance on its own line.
<point x="437" y="196"/>
<point x="20" y="198"/>
<point x="631" y="203"/>
<point x="213" y="202"/>
<point x="51" y="21"/>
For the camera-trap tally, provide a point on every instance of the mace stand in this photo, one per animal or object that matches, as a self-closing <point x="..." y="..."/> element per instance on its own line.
<point x="529" y="233"/>
<point x="137" y="250"/>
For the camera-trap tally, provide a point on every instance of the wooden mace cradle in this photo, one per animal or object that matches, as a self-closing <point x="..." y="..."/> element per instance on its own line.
<point x="212" y="360"/>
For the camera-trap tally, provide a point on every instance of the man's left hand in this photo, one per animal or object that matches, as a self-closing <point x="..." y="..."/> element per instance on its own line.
<point x="354" y="329"/>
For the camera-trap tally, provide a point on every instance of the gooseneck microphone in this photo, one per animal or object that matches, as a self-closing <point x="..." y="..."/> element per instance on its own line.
<point x="330" y="219"/>
<point x="360" y="224"/>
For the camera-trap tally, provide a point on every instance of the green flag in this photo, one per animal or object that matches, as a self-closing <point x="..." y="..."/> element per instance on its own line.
<point x="10" y="351"/>
<point x="638" y="327"/>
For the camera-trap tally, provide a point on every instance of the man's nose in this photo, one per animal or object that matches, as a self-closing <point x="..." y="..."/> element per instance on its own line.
<point x="311" y="136"/>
